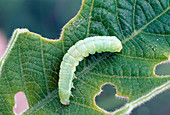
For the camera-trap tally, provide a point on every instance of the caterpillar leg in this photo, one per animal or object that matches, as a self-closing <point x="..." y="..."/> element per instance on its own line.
<point x="72" y="86"/>
<point x="74" y="76"/>
<point x="72" y="95"/>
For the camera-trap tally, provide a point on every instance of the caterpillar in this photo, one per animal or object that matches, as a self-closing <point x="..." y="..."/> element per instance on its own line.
<point x="76" y="54"/>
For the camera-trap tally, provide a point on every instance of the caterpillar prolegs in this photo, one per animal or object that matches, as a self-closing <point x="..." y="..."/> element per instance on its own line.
<point x="76" y="54"/>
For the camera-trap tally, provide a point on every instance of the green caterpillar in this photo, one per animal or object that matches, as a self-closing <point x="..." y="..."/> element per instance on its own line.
<point x="76" y="54"/>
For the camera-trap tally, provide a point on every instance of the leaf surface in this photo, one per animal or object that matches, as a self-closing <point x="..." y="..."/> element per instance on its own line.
<point x="31" y="63"/>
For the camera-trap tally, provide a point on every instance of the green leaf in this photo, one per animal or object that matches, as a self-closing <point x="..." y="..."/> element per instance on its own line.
<point x="31" y="63"/>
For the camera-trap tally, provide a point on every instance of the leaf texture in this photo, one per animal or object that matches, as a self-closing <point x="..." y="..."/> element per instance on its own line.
<point x="31" y="63"/>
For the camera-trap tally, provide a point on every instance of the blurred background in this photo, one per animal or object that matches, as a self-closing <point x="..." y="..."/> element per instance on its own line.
<point x="47" y="17"/>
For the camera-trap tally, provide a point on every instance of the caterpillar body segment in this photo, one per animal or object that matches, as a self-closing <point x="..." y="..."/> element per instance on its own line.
<point x="75" y="54"/>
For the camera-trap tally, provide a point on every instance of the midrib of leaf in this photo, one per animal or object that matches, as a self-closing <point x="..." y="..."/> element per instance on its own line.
<point x="92" y="65"/>
<point x="85" y="70"/>
<point x="50" y="97"/>
<point x="85" y="106"/>
<point x="140" y="30"/>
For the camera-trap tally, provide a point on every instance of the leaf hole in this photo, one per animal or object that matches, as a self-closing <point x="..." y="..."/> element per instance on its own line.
<point x="108" y="100"/>
<point x="163" y="69"/>
<point x="21" y="103"/>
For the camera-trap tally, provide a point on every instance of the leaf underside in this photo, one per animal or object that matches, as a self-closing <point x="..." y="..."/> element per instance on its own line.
<point x="31" y="64"/>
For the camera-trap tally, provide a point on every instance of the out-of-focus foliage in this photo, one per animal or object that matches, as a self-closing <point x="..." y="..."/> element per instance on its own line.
<point x="46" y="17"/>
